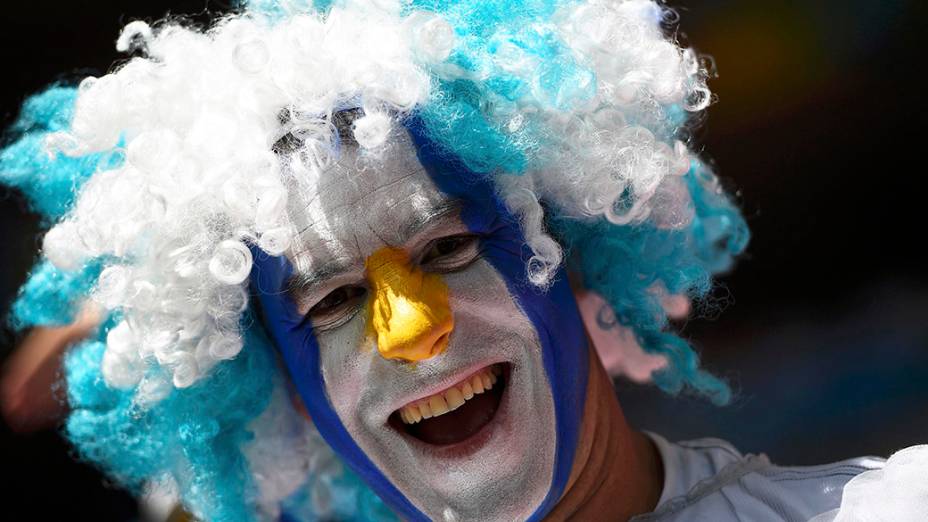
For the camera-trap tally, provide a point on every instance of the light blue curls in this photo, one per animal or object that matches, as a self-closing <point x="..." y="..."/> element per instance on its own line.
<point x="623" y="263"/>
<point x="193" y="434"/>
<point x="719" y="231"/>
<point x="509" y="57"/>
<point x="458" y="125"/>
<point x="49" y="182"/>
<point x="276" y="10"/>
<point x="335" y="493"/>
<point x="52" y="297"/>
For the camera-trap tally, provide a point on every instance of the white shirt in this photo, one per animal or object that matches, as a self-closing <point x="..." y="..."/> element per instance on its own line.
<point x="709" y="480"/>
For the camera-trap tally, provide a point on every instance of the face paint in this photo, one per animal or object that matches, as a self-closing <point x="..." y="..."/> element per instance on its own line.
<point x="553" y="312"/>
<point x="408" y="311"/>
<point x="512" y="467"/>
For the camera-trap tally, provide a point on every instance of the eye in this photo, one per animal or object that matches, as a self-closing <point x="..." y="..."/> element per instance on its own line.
<point x="450" y="253"/>
<point x="337" y="307"/>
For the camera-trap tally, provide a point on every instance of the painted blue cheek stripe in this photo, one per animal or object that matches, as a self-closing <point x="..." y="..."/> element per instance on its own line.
<point x="554" y="313"/>
<point x="295" y="340"/>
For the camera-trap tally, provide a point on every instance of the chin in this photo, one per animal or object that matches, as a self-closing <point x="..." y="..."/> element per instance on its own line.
<point x="472" y="438"/>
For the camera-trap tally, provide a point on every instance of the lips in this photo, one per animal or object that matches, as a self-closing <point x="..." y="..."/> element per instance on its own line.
<point x="457" y="412"/>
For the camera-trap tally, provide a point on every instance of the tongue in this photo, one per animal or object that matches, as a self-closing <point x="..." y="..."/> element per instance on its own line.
<point x="459" y="424"/>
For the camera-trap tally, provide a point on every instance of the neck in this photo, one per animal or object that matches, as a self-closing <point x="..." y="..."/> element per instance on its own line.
<point x="617" y="472"/>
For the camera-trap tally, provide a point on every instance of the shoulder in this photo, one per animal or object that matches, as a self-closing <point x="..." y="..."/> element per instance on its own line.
<point x="708" y="479"/>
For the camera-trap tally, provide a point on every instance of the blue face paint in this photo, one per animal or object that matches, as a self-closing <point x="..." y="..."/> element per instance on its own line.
<point x="293" y="335"/>
<point x="553" y="313"/>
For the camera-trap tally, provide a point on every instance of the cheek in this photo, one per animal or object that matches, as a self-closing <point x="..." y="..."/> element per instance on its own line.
<point x="345" y="357"/>
<point x="479" y="295"/>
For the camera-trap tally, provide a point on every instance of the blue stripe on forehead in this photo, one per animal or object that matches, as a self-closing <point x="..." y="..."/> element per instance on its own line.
<point x="553" y="313"/>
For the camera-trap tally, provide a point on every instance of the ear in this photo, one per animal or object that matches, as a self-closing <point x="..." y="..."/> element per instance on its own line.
<point x="615" y="344"/>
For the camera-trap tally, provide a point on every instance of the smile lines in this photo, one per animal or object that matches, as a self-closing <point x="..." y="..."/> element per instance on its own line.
<point x="452" y="398"/>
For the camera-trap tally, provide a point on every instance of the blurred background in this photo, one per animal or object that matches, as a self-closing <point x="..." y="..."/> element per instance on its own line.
<point x="823" y="327"/>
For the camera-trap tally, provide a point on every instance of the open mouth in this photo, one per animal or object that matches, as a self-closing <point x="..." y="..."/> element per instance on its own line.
<point x="457" y="413"/>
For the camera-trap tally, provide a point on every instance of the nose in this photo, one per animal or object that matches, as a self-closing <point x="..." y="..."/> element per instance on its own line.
<point x="409" y="313"/>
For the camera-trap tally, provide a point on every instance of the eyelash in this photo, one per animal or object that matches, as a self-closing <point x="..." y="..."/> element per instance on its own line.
<point x="340" y="312"/>
<point x="465" y="249"/>
<point x="443" y="255"/>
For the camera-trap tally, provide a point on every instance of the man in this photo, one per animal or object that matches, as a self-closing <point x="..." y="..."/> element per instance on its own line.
<point x="415" y="225"/>
<point x="421" y="354"/>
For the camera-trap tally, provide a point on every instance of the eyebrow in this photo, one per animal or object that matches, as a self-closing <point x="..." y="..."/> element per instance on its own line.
<point x="436" y="214"/>
<point x="299" y="284"/>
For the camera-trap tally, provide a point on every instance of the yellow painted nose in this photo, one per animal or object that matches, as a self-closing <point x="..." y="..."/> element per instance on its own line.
<point x="408" y="312"/>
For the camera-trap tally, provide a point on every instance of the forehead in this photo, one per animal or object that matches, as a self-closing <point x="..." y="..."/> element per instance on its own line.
<point x="361" y="203"/>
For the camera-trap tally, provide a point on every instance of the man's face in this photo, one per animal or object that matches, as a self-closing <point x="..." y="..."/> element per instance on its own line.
<point x="424" y="356"/>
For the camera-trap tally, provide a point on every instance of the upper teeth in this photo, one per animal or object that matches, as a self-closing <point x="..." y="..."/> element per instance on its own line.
<point x="452" y="398"/>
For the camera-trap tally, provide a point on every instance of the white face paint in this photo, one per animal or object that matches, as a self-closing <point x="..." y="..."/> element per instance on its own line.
<point x="358" y="206"/>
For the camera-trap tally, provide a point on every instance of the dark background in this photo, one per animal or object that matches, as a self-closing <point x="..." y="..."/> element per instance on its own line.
<point x="819" y="131"/>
